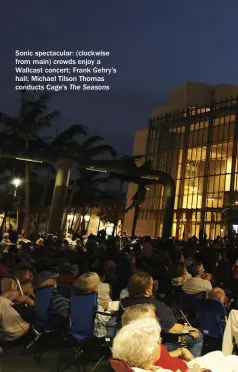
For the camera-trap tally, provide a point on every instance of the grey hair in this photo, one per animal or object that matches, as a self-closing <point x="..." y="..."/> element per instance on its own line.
<point x="137" y="312"/>
<point x="136" y="343"/>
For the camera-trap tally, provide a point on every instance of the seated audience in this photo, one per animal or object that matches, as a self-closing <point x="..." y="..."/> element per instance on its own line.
<point x="59" y="308"/>
<point x="218" y="294"/>
<point x="199" y="281"/>
<point x="21" y="273"/>
<point x="12" y="325"/>
<point x="140" y="288"/>
<point x="138" y="344"/>
<point x="104" y="290"/>
<point x="89" y="283"/>
<point x="231" y="333"/>
<point x="179" y="274"/>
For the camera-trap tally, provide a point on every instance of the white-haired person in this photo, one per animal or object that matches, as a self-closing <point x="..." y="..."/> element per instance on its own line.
<point x="89" y="283"/>
<point x="140" y="323"/>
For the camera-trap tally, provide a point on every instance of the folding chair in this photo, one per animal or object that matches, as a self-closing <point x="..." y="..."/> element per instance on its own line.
<point x="81" y="342"/>
<point x="43" y="326"/>
<point x="211" y="322"/>
<point x="189" y="303"/>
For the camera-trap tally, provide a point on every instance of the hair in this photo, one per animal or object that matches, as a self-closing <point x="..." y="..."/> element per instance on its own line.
<point x="195" y="268"/>
<point x="178" y="270"/>
<point x="136" y="343"/>
<point x="139" y="283"/>
<point x="137" y="312"/>
<point x="216" y="294"/>
<point x="87" y="282"/>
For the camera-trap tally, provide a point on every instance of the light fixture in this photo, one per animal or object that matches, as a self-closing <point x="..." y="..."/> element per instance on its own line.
<point x="86" y="218"/>
<point x="16" y="182"/>
<point x="150" y="178"/>
<point x="92" y="169"/>
<point x="30" y="160"/>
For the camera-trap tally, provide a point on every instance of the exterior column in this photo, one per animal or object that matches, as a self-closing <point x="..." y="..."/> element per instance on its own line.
<point x="206" y="170"/>
<point x="58" y="200"/>
<point x="169" y="193"/>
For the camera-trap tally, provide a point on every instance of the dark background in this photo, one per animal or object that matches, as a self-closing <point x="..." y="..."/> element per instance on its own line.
<point x="156" y="45"/>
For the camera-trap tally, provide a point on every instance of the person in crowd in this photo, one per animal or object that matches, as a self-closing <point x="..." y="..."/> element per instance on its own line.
<point x="12" y="324"/>
<point x="89" y="283"/>
<point x="20" y="273"/>
<point x="200" y="281"/>
<point x="104" y="289"/>
<point x="147" y="247"/>
<point x="218" y="294"/>
<point x="179" y="274"/>
<point x="231" y="333"/>
<point x="138" y="344"/>
<point x="140" y="288"/>
<point x="59" y="306"/>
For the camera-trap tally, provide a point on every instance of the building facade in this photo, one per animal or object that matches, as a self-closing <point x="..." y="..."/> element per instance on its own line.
<point x="197" y="145"/>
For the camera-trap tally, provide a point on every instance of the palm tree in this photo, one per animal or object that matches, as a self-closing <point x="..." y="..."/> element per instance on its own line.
<point x="130" y="164"/>
<point x="21" y="132"/>
<point x="88" y="149"/>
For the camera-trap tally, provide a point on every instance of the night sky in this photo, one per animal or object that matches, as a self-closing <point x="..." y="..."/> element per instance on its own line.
<point x="156" y="45"/>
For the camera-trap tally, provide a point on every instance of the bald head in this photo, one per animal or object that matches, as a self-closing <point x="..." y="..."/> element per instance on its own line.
<point x="217" y="294"/>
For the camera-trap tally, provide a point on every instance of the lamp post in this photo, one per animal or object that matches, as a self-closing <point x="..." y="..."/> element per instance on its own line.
<point x="16" y="182"/>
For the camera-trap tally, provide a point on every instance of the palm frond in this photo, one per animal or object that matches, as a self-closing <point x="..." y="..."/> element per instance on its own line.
<point x="68" y="134"/>
<point x="100" y="150"/>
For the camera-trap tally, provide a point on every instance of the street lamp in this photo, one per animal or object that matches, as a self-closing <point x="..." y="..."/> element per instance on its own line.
<point x="16" y="182"/>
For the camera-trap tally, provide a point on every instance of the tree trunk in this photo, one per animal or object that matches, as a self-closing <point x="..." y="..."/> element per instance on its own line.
<point x="117" y="209"/>
<point x="99" y="221"/>
<point x="83" y="228"/>
<point x="72" y="223"/>
<point x="58" y="200"/>
<point x="136" y="215"/>
<point x="74" y="188"/>
<point x="27" y="200"/>
<point x="42" y="204"/>
<point x="4" y="221"/>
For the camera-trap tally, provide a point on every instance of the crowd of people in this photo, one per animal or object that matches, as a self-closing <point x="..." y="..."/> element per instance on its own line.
<point x="138" y="282"/>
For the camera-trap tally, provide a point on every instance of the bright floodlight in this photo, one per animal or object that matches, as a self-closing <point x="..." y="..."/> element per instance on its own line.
<point x="87" y="218"/>
<point x="16" y="182"/>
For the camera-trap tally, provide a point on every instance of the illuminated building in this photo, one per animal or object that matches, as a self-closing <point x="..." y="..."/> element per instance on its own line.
<point x="194" y="139"/>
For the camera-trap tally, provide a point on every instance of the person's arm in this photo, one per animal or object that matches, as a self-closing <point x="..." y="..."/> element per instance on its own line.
<point x="183" y="353"/>
<point x="25" y="300"/>
<point x="178" y="328"/>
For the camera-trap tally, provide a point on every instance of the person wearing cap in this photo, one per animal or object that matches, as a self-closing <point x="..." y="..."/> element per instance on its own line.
<point x="21" y="273"/>
<point x="59" y="305"/>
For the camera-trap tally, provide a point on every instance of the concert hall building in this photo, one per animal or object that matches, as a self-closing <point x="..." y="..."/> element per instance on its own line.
<point x="194" y="139"/>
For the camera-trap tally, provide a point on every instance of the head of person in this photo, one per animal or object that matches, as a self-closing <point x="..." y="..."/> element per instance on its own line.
<point x="23" y="273"/>
<point x="138" y="343"/>
<point x="140" y="285"/>
<point x="87" y="282"/>
<point x="217" y="294"/>
<point x="27" y="287"/>
<point x="45" y="279"/>
<point x="138" y="312"/>
<point x="197" y="270"/>
<point x="179" y="270"/>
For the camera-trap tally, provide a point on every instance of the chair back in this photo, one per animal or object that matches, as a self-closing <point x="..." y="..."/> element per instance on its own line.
<point x="83" y="307"/>
<point x="119" y="365"/>
<point x="212" y="318"/>
<point x="43" y="298"/>
<point x="190" y="303"/>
